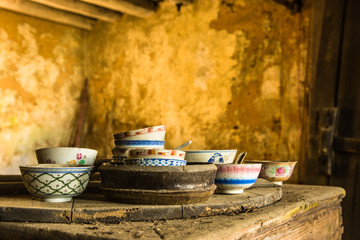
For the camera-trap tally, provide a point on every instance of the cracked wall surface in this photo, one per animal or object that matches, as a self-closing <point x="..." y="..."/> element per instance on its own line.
<point x="41" y="77"/>
<point x="224" y="74"/>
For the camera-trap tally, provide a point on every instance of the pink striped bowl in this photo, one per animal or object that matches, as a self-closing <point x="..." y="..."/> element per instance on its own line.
<point x="234" y="178"/>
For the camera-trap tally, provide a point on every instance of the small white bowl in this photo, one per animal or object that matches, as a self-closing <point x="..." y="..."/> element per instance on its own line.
<point x="234" y="178"/>
<point x="149" y="133"/>
<point x="156" y="153"/>
<point x="55" y="182"/>
<point x="66" y="155"/>
<point x="275" y="171"/>
<point x="210" y="156"/>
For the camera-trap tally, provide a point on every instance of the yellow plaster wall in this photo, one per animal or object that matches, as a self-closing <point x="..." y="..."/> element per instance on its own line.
<point x="41" y="78"/>
<point x="225" y="74"/>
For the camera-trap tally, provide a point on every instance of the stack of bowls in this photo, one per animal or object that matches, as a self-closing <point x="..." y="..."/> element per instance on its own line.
<point x="62" y="173"/>
<point x="145" y="138"/>
<point x="155" y="157"/>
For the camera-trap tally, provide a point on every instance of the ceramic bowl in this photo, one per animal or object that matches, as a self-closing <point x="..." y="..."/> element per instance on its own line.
<point x="154" y="162"/>
<point x="55" y="182"/>
<point x="210" y="156"/>
<point x="149" y="133"/>
<point x="156" y="153"/>
<point x="142" y="144"/>
<point x="66" y="155"/>
<point x="275" y="171"/>
<point x="234" y="178"/>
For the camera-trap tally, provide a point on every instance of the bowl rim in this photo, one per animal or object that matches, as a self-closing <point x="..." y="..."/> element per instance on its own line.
<point x="255" y="165"/>
<point x="153" y="159"/>
<point x="65" y="148"/>
<point x="122" y="143"/>
<point x="44" y="166"/>
<point x="155" y="151"/>
<point x="265" y="162"/>
<point x="140" y="131"/>
<point x="210" y="151"/>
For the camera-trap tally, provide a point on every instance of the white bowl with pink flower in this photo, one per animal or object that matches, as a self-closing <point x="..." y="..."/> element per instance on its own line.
<point x="66" y="155"/>
<point x="275" y="171"/>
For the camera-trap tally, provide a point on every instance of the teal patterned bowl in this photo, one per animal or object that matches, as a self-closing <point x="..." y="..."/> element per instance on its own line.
<point x="55" y="182"/>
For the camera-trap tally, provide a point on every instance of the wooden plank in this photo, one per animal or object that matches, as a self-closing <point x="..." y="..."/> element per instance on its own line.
<point x="138" y="8"/>
<point x="44" y="12"/>
<point x="348" y="163"/>
<point x="304" y="212"/>
<point x="30" y="207"/>
<point x="94" y="207"/>
<point x="82" y="8"/>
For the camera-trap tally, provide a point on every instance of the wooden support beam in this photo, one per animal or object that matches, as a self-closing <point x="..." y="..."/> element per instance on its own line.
<point x="41" y="11"/>
<point x="82" y="8"/>
<point x="138" y="8"/>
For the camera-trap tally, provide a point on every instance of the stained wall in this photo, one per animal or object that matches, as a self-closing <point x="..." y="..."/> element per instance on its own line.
<point x="41" y="78"/>
<point x="224" y="74"/>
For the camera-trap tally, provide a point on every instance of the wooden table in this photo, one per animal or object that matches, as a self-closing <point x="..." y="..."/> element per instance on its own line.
<point x="304" y="212"/>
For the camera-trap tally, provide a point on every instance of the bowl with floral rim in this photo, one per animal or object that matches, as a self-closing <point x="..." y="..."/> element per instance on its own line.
<point x="66" y="155"/>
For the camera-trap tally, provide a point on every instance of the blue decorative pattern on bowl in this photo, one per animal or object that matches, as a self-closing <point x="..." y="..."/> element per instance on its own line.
<point x="235" y="181"/>
<point x="151" y="143"/>
<point x="154" y="162"/>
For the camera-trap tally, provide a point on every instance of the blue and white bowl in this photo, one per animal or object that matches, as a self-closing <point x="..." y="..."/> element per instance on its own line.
<point x="210" y="156"/>
<point x="139" y="144"/>
<point x="55" y="182"/>
<point x="154" y="162"/>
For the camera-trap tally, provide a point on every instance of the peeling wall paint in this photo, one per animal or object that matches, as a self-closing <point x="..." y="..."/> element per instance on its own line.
<point x="41" y="77"/>
<point x="225" y="74"/>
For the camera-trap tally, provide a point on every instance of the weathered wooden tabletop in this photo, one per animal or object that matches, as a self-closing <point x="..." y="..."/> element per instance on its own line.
<point x="304" y="212"/>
